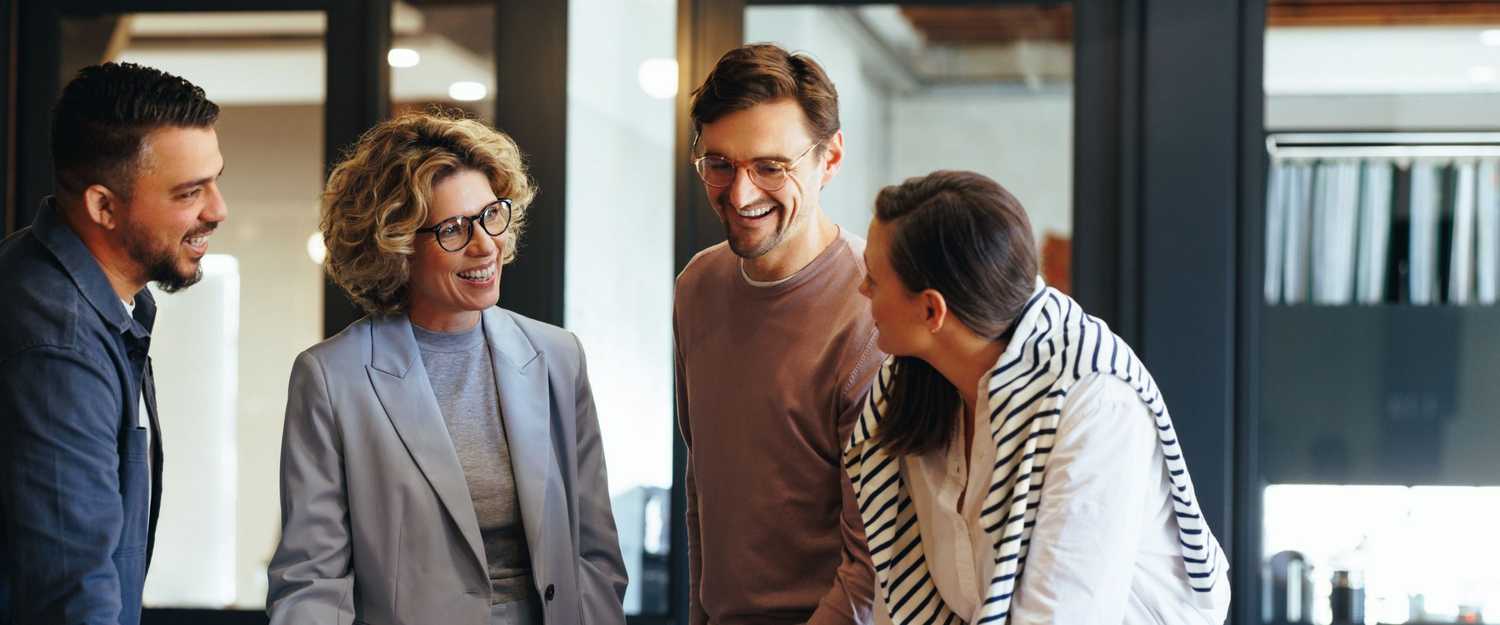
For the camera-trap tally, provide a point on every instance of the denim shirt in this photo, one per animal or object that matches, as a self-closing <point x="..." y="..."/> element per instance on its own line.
<point x="78" y="494"/>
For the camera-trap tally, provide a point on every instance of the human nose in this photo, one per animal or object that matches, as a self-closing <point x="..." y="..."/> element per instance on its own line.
<point x="217" y="210"/>
<point x="742" y="190"/>
<point x="482" y="243"/>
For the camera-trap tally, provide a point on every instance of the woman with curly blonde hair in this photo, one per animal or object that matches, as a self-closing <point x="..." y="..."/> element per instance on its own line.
<point x="441" y="461"/>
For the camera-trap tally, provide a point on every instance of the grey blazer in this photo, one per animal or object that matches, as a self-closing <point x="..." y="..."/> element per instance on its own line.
<point x="377" y="525"/>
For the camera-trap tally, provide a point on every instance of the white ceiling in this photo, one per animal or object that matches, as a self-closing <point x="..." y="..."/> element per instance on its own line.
<point x="292" y="72"/>
<point x="277" y="58"/>
<point x="1381" y="60"/>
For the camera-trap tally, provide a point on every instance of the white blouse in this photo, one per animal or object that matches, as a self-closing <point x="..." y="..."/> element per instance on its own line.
<point x="1104" y="549"/>
<point x="960" y="555"/>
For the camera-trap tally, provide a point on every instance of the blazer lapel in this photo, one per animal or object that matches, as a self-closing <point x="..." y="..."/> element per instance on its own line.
<point x="525" y="408"/>
<point x="400" y="382"/>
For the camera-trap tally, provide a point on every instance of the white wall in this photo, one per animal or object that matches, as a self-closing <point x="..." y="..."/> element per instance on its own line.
<point x="273" y="172"/>
<point x="1381" y="59"/>
<point x="619" y="247"/>
<point x="1384" y="112"/>
<point x="618" y="268"/>
<point x="1022" y="139"/>
<point x="1382" y="78"/>
<point x="194" y="348"/>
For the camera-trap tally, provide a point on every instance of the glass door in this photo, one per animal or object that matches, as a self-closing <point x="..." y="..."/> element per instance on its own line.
<point x="221" y="361"/>
<point x="622" y="78"/>
<point x="1378" y="321"/>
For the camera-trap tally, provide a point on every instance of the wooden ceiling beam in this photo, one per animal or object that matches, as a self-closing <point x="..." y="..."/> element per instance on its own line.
<point x="1381" y="13"/>
<point x="991" y="25"/>
<point x="1009" y="24"/>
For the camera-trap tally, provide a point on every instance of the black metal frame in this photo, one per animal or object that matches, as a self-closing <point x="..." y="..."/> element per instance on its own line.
<point x="358" y="97"/>
<point x="1106" y="215"/>
<point x="531" y="105"/>
<point x="10" y="14"/>
<point x="1189" y="178"/>
<point x="1172" y="257"/>
<point x="1250" y="215"/>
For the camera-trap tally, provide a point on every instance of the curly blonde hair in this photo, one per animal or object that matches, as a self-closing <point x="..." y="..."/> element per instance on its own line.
<point x="381" y="193"/>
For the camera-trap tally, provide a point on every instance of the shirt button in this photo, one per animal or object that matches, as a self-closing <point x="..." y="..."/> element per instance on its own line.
<point x="550" y="592"/>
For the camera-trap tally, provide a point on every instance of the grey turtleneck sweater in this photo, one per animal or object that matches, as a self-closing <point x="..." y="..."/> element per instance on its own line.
<point x="462" y="376"/>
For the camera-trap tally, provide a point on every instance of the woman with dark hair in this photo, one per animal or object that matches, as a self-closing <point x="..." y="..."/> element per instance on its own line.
<point x="1015" y="462"/>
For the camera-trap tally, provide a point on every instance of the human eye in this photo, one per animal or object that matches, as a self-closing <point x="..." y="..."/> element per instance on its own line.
<point x="717" y="164"/>
<point x="449" y="229"/>
<point x="493" y="215"/>
<point x="769" y="169"/>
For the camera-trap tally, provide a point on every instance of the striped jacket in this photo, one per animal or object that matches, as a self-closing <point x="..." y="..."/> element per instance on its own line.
<point x="1054" y="345"/>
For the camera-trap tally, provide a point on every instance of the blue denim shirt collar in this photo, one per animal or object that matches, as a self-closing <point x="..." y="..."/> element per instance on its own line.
<point x="84" y="269"/>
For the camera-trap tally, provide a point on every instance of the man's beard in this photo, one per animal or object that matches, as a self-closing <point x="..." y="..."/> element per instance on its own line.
<point x="160" y="263"/>
<point x="771" y="242"/>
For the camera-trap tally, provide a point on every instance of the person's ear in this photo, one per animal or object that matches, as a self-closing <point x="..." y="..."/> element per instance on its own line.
<point x="102" y="206"/>
<point x="935" y="310"/>
<point x="833" y="158"/>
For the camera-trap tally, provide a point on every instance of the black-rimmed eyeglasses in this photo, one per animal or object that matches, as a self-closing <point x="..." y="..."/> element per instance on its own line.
<point x="454" y="233"/>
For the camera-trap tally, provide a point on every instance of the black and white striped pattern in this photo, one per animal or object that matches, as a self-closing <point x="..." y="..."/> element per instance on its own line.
<point x="1056" y="344"/>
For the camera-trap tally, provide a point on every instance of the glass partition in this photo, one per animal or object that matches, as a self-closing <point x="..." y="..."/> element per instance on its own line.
<point x="1382" y="267"/>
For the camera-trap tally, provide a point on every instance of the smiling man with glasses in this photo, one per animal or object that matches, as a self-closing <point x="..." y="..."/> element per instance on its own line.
<point x="774" y="351"/>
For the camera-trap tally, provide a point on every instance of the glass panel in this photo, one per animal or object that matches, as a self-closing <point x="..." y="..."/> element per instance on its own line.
<point x="622" y="78"/>
<point x="1378" y="413"/>
<point x="443" y="54"/>
<point x="1425" y="554"/>
<point x="922" y="88"/>
<point x="221" y="362"/>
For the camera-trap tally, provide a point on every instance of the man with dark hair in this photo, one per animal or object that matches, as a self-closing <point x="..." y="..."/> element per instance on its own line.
<point x="137" y="166"/>
<point x="774" y="353"/>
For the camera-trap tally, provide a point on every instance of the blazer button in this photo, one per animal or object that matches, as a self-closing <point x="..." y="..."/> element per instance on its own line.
<point x="550" y="592"/>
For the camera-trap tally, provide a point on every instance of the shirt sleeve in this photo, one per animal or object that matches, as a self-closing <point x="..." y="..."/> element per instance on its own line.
<point x="852" y="596"/>
<point x="1091" y="518"/>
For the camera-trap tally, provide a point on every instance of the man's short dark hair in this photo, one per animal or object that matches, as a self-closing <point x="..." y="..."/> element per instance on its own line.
<point x="104" y="115"/>
<point x="759" y="73"/>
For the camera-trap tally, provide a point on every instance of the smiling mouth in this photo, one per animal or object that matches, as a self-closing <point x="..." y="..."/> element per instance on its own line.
<point x="753" y="211"/>
<point x="198" y="241"/>
<point x="480" y="275"/>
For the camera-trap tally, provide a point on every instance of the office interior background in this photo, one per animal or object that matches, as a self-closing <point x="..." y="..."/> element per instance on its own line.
<point x="1291" y="208"/>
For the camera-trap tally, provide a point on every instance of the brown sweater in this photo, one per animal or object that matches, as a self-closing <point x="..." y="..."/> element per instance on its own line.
<point x="770" y="380"/>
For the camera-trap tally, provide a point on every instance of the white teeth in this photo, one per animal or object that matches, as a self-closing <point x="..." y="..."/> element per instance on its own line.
<point x="743" y="212"/>
<point x="198" y="241"/>
<point x="478" y="275"/>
